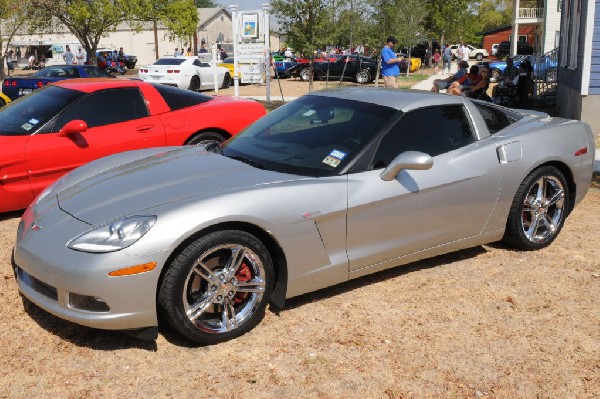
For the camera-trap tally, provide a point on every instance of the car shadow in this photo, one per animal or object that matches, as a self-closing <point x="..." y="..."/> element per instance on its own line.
<point x="109" y="340"/>
<point x="378" y="277"/>
<point x="105" y="340"/>
<point x="10" y="215"/>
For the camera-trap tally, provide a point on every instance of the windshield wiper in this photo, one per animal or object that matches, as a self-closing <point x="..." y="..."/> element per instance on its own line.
<point x="214" y="146"/>
<point x="248" y="161"/>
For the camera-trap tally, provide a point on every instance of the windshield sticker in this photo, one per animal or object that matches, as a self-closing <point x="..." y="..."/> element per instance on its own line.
<point x="34" y="121"/>
<point x="27" y="126"/>
<point x="334" y="158"/>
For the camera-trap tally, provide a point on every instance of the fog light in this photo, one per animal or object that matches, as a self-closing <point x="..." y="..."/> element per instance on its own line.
<point x="86" y="302"/>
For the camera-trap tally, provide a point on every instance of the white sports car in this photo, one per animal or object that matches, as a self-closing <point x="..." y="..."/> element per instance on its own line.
<point x="186" y="73"/>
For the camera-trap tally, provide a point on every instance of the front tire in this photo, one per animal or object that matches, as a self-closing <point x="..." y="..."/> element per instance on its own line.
<point x="363" y="76"/>
<point x="194" y="84"/>
<point x="218" y="287"/>
<point x="539" y="209"/>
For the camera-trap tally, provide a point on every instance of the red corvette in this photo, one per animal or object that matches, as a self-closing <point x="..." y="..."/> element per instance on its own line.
<point x="67" y="124"/>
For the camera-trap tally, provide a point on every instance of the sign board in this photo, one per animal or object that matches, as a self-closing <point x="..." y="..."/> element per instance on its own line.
<point x="252" y="73"/>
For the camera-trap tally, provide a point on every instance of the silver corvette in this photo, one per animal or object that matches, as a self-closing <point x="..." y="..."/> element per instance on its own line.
<point x="332" y="186"/>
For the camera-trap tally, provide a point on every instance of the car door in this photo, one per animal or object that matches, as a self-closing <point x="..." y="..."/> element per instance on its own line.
<point x="117" y="120"/>
<point x="422" y="209"/>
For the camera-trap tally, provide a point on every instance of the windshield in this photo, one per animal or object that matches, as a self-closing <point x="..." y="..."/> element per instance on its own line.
<point x="311" y="136"/>
<point x="29" y="113"/>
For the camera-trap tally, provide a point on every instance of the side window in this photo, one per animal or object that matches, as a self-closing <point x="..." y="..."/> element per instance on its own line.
<point x="495" y="119"/>
<point x="105" y="107"/>
<point x="434" y="131"/>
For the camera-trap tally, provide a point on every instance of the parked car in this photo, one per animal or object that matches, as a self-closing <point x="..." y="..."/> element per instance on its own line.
<point x="4" y="99"/>
<point x="544" y="68"/>
<point x="16" y="87"/>
<point x="185" y="72"/>
<point x="67" y="124"/>
<point x="495" y="48"/>
<point x="282" y="68"/>
<point x="354" y="67"/>
<point x="228" y="63"/>
<point x="128" y="60"/>
<point x="474" y="52"/>
<point x="523" y="48"/>
<point x="364" y="179"/>
<point x="421" y="50"/>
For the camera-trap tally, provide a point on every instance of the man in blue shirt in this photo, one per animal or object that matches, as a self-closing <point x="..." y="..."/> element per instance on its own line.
<point x="389" y="64"/>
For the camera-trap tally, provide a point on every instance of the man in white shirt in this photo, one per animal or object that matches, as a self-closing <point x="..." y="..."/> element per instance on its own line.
<point x="80" y="56"/>
<point x="465" y="52"/>
<point x="68" y="56"/>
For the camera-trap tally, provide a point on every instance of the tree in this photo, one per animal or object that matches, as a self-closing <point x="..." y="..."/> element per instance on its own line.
<point x="90" y="20"/>
<point x="13" y="15"/>
<point x="308" y="24"/>
<point x="180" y="17"/>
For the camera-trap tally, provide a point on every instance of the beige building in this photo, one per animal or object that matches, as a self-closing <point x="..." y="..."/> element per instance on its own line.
<point x="214" y="27"/>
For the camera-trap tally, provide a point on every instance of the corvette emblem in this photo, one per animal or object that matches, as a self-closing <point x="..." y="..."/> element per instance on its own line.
<point x="35" y="227"/>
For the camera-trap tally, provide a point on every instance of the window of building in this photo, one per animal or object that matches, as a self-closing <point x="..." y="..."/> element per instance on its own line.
<point x="569" y="42"/>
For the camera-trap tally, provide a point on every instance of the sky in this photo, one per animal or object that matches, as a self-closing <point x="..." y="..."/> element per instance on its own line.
<point x="244" y="5"/>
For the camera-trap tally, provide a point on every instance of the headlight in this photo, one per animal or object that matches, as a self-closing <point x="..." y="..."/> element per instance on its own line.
<point x="113" y="236"/>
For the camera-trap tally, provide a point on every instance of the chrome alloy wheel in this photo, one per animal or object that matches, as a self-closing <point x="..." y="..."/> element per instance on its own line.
<point x="305" y="74"/>
<point x="543" y="209"/>
<point x="224" y="288"/>
<point x="363" y="76"/>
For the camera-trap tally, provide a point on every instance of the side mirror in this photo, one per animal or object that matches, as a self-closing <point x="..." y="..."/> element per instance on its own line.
<point x="414" y="160"/>
<point x="73" y="127"/>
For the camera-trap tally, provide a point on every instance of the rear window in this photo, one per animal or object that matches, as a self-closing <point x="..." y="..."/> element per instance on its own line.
<point x="170" y="61"/>
<point x="178" y="98"/>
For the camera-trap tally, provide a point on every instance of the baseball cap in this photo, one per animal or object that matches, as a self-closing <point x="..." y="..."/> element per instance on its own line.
<point x="391" y="39"/>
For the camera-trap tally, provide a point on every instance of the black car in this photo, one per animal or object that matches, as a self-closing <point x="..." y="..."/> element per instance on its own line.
<point x="523" y="48"/>
<point x="358" y="68"/>
<point x="421" y="50"/>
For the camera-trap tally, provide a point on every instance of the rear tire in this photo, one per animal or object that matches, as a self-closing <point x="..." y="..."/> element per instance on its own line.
<point x="539" y="209"/>
<point x="226" y="81"/>
<point x="479" y="56"/>
<point x="363" y="76"/>
<point x="206" y="138"/>
<point x="304" y="74"/>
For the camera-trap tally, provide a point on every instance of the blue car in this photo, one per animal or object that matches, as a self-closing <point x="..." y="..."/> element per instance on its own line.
<point x="282" y="68"/>
<point x="544" y="69"/>
<point x="16" y="87"/>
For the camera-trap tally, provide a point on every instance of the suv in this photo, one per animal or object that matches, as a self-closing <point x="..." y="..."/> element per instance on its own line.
<point x="477" y="53"/>
<point x="523" y="48"/>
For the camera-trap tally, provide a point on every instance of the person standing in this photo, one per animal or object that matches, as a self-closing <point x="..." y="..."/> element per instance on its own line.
<point x="447" y="58"/>
<point x="9" y="63"/>
<point x="465" y="52"/>
<point x="436" y="61"/>
<point x="389" y="64"/>
<point x="68" y="56"/>
<point x="80" y="56"/>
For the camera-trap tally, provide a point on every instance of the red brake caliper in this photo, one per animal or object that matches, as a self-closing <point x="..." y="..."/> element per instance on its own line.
<point x="243" y="275"/>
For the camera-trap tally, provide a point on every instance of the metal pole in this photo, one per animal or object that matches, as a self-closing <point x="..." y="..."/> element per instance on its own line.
<point x="267" y="51"/>
<point x="236" y="68"/>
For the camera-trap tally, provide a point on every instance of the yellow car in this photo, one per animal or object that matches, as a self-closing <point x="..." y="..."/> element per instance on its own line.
<point x="4" y="99"/>
<point x="228" y="63"/>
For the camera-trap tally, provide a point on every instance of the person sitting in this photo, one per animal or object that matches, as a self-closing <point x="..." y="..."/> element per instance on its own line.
<point x="516" y="90"/>
<point x="442" y="84"/>
<point x="470" y="79"/>
<point x="479" y="89"/>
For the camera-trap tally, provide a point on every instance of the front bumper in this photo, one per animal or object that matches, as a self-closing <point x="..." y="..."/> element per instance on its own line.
<point x="59" y="279"/>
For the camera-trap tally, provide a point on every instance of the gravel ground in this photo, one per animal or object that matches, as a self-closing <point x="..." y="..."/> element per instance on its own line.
<point x="485" y="322"/>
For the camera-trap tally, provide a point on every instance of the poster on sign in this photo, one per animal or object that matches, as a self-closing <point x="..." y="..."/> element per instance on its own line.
<point x="249" y="26"/>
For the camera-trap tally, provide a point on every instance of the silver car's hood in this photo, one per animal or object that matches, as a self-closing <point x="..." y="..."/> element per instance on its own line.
<point x="137" y="184"/>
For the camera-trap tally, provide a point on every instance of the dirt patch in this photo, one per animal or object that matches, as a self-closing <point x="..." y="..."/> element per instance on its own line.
<point x="485" y="322"/>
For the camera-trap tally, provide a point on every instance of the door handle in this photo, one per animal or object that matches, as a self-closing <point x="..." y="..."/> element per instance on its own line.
<point x="146" y="129"/>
